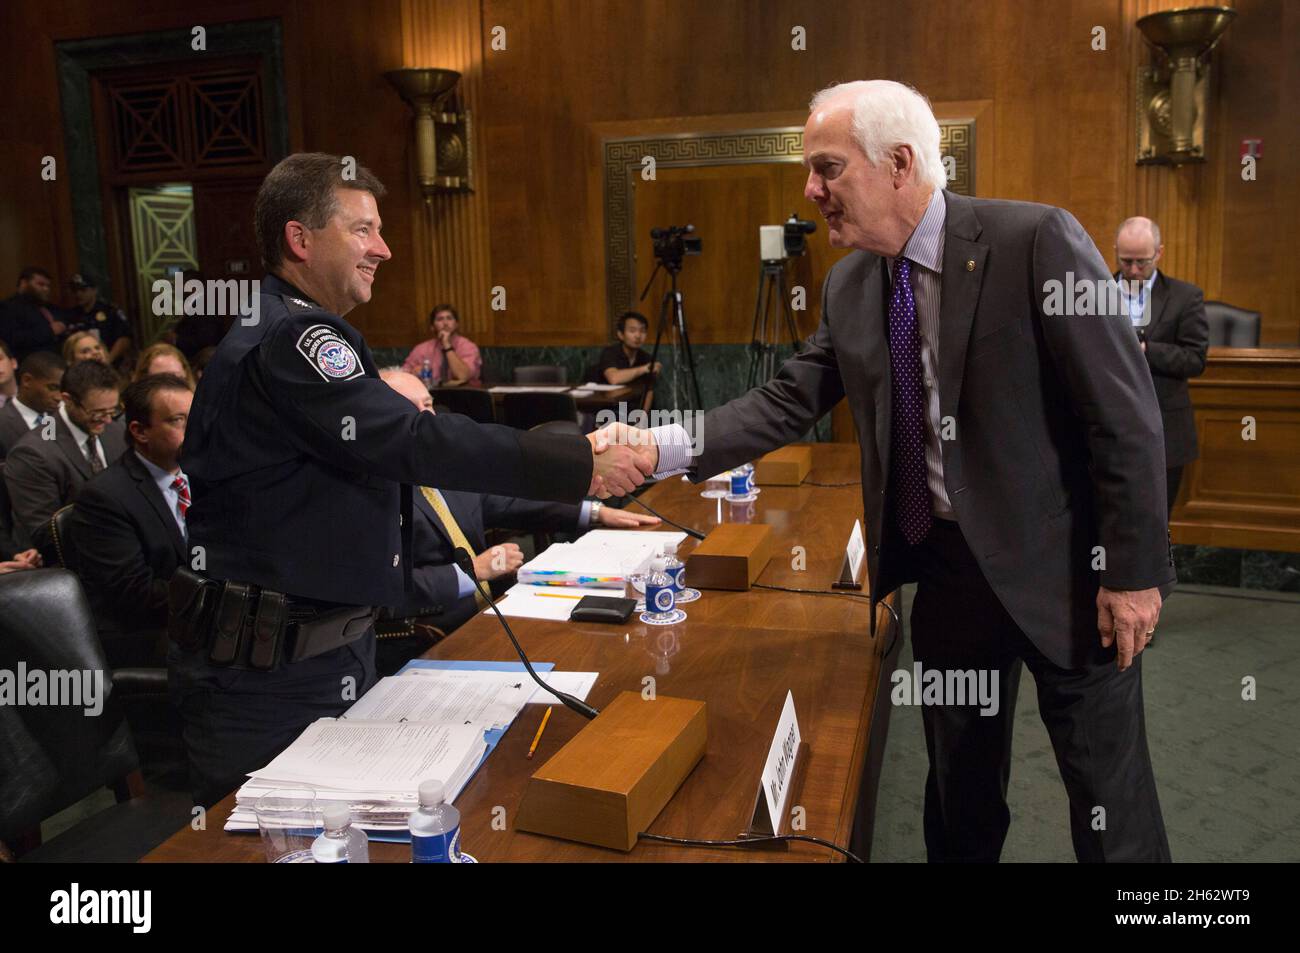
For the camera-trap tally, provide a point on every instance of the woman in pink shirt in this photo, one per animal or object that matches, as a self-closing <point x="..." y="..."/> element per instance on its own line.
<point x="452" y="356"/>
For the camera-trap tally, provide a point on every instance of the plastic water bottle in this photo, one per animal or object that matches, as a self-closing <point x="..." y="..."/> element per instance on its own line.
<point x="435" y="827"/>
<point x="674" y="567"/>
<point x="660" y="596"/>
<point x="426" y="373"/>
<point x="341" y="843"/>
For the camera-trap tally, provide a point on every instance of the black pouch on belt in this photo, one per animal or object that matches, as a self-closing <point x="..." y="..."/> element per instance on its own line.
<point x="268" y="630"/>
<point x="190" y="602"/>
<point x="331" y="630"/>
<point x="228" y="626"/>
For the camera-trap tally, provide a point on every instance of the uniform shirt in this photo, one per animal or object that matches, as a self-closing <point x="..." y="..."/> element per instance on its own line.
<point x="431" y="351"/>
<point x="104" y="319"/>
<point x="301" y="460"/>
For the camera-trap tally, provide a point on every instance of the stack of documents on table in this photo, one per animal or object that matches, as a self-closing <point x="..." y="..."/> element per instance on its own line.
<point x="403" y="731"/>
<point x="529" y="388"/>
<point x="601" y="559"/>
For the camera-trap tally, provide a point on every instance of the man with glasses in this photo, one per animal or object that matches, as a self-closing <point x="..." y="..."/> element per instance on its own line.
<point x="1169" y="318"/>
<point x="49" y="465"/>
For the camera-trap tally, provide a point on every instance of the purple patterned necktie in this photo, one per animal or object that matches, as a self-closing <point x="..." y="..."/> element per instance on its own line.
<point x="907" y="458"/>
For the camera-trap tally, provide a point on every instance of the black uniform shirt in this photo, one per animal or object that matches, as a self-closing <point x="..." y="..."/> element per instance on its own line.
<point x="297" y="455"/>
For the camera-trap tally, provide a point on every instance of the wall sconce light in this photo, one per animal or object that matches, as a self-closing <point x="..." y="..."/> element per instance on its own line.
<point x="442" y="139"/>
<point x="1173" y="92"/>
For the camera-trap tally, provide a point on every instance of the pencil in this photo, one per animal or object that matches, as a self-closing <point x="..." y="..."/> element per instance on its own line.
<point x="540" y="729"/>
<point x="555" y="595"/>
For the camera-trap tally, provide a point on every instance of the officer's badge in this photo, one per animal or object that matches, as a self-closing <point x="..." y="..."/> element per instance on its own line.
<point x="331" y="356"/>
<point x="100" y="316"/>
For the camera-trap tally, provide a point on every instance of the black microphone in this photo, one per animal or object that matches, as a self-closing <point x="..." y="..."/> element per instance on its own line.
<point x="466" y="564"/>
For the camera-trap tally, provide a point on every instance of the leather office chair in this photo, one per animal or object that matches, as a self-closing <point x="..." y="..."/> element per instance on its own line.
<point x="1231" y="326"/>
<point x="52" y="756"/>
<point x="526" y="411"/>
<point x="473" y="402"/>
<point x="540" y="374"/>
<point x="62" y="537"/>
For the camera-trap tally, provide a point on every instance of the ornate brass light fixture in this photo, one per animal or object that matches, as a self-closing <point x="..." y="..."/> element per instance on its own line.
<point x="1173" y="92"/>
<point x="442" y="139"/>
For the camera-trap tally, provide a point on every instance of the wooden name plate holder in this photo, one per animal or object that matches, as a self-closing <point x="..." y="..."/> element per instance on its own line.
<point x="731" y="557"/>
<point x="788" y="466"/>
<point x="612" y="779"/>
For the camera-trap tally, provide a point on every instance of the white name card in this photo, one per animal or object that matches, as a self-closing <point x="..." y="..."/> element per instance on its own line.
<point x="779" y="770"/>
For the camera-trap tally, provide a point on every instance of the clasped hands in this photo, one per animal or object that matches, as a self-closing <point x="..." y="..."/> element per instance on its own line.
<point x="622" y="457"/>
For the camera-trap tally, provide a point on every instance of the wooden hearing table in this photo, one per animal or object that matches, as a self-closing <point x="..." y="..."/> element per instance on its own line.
<point x="737" y="651"/>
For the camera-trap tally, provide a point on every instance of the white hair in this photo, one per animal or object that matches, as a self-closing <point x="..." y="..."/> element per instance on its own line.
<point x="887" y="115"/>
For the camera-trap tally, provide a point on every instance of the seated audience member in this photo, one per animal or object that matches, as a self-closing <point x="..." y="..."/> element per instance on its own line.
<point x="27" y="319"/>
<point x="49" y="465"/>
<point x="1169" y="318"/>
<point x="83" y="346"/>
<point x="37" y="397"/>
<point x="625" y="362"/>
<point x="163" y="358"/>
<point x="128" y="526"/>
<point x="444" y="596"/>
<point x="8" y="375"/>
<point x="201" y="360"/>
<point x="453" y="358"/>
<point x="105" y="319"/>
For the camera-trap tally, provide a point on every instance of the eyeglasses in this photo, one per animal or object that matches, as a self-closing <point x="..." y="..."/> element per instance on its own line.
<point x="1139" y="262"/>
<point x="98" y="415"/>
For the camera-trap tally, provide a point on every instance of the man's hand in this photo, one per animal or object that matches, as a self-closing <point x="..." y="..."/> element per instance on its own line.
<point x="27" y="559"/>
<point x="1128" y="616"/>
<point x="642" y="441"/>
<point x="618" y="467"/>
<point x="444" y="339"/>
<point x="497" y="561"/>
<point x="623" y="519"/>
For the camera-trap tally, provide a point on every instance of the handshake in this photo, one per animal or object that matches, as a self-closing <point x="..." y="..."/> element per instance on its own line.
<point x="622" y="457"/>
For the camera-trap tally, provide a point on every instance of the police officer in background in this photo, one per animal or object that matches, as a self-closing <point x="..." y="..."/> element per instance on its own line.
<point x="302" y="461"/>
<point x="103" y="318"/>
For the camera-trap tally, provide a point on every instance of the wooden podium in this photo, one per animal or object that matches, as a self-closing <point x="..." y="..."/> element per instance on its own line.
<point x="613" y="778"/>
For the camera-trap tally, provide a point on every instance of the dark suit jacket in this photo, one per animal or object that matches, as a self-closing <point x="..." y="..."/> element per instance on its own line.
<point x="1058" y="445"/>
<point x="1177" y="338"/>
<point x="436" y="595"/>
<point x="128" y="545"/>
<point x="24" y="328"/>
<point x="12" y="427"/>
<point x="43" y="475"/>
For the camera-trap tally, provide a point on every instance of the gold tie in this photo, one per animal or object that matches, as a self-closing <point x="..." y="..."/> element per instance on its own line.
<point x="454" y="531"/>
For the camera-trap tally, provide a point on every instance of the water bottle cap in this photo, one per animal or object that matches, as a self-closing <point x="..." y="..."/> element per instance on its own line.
<point x="657" y="564"/>
<point x="670" y="549"/>
<point x="432" y="793"/>
<point x="337" y="814"/>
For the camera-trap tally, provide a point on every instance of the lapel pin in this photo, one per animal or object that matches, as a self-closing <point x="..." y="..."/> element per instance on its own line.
<point x="970" y="264"/>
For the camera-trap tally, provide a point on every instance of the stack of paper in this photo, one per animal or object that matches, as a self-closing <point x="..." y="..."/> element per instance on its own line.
<point x="402" y="732"/>
<point x="601" y="559"/>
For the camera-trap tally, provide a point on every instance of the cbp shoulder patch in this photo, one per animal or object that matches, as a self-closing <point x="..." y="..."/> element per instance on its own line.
<point x="327" y="351"/>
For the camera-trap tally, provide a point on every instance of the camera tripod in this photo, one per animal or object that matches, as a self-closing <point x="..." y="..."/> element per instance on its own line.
<point x="767" y="327"/>
<point x="672" y="316"/>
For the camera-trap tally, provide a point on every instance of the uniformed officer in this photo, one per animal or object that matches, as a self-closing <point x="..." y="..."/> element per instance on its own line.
<point x="93" y="313"/>
<point x="301" y="461"/>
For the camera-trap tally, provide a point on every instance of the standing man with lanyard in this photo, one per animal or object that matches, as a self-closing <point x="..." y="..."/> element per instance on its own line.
<point x="301" y="462"/>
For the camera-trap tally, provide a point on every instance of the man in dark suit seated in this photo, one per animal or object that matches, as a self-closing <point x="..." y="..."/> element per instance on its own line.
<point x="49" y="465"/>
<point x="444" y="597"/>
<point x="1169" y="317"/>
<point x="128" y="527"/>
<point x="40" y="390"/>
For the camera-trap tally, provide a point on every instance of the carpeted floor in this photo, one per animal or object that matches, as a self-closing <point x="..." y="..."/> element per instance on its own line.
<point x="1228" y="770"/>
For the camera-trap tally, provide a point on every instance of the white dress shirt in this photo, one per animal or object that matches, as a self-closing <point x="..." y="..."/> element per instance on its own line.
<point x="32" y="417"/>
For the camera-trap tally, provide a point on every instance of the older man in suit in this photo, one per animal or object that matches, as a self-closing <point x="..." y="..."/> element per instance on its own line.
<point x="1169" y="317"/>
<point x="47" y="468"/>
<point x="1011" y="465"/>
<point x="128" y="525"/>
